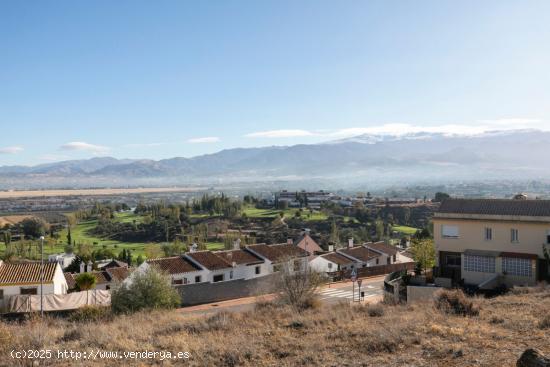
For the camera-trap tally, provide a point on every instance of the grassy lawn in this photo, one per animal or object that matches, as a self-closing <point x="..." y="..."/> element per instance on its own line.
<point x="252" y="212"/>
<point x="405" y="230"/>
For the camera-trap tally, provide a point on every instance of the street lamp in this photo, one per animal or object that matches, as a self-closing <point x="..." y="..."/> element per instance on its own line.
<point x="41" y="276"/>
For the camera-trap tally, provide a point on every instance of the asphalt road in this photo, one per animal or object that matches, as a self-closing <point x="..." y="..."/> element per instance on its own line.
<point x="332" y="294"/>
<point x="371" y="289"/>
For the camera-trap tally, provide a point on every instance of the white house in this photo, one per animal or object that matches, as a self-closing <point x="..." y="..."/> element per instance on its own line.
<point x="24" y="278"/>
<point x="390" y="254"/>
<point x="245" y="264"/>
<point x="331" y="262"/>
<point x="276" y="255"/>
<point x="218" y="269"/>
<point x="179" y="268"/>
<point x="362" y="256"/>
<point x="63" y="260"/>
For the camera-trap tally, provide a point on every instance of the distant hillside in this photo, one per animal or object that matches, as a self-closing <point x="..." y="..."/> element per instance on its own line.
<point x="413" y="157"/>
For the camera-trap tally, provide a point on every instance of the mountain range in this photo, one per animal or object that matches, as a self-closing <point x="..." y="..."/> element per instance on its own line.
<point x="410" y="157"/>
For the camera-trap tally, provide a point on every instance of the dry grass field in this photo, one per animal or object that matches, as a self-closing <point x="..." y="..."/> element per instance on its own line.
<point x="92" y="192"/>
<point x="12" y="219"/>
<point x="375" y="335"/>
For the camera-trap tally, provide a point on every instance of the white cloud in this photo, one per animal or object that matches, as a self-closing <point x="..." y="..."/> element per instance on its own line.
<point x="289" y="133"/>
<point x="11" y="150"/>
<point x="80" y="145"/>
<point x="399" y="129"/>
<point x="207" y="139"/>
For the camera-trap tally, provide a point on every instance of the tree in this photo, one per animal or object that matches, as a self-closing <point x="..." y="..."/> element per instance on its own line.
<point x="153" y="251"/>
<point x="423" y="253"/>
<point x="85" y="281"/>
<point x="297" y="288"/>
<point x="33" y="227"/>
<point x="334" y="234"/>
<point x="149" y="289"/>
<point x="140" y="260"/>
<point x="440" y="196"/>
<point x="69" y="238"/>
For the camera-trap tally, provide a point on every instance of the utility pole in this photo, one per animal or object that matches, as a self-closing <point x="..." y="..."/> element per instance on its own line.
<point x="42" y="276"/>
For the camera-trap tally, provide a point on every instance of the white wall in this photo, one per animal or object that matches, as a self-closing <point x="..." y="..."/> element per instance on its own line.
<point x="321" y="264"/>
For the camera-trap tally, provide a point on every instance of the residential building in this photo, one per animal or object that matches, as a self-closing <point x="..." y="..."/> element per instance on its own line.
<point x="362" y="256"/>
<point x="245" y="264"/>
<point x="106" y="279"/>
<point x="390" y="253"/>
<point x="491" y="242"/>
<point x="25" y="278"/>
<point x="276" y="255"/>
<point x="306" y="243"/>
<point x="331" y="262"/>
<point x="63" y="260"/>
<point x="218" y="269"/>
<point x="180" y="269"/>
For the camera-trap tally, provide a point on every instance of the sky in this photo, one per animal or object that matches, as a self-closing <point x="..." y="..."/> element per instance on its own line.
<point x="160" y="79"/>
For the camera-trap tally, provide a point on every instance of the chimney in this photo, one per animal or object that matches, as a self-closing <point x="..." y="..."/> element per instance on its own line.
<point x="289" y="241"/>
<point x="331" y="248"/>
<point x="82" y="267"/>
<point x="350" y="242"/>
<point x="90" y="266"/>
<point x="237" y="244"/>
<point x="193" y="247"/>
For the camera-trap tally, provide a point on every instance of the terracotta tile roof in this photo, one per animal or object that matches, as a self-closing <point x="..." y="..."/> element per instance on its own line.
<point x="115" y="264"/>
<point x="209" y="260"/>
<point x="101" y="277"/>
<point x="382" y="247"/>
<point x="528" y="208"/>
<point x="277" y="253"/>
<point x="337" y="258"/>
<point x="305" y="242"/>
<point x="174" y="265"/>
<point x="28" y="272"/>
<point x="360" y="253"/>
<point x="240" y="257"/>
<point x="118" y="274"/>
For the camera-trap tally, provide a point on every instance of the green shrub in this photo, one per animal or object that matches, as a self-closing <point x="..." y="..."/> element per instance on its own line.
<point x="145" y="290"/>
<point x="455" y="302"/>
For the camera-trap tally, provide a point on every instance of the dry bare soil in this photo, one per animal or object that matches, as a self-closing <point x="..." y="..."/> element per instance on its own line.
<point x="12" y="219"/>
<point x="415" y="335"/>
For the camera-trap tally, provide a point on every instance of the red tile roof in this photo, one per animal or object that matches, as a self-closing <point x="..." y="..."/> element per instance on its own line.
<point x="382" y="247"/>
<point x="118" y="274"/>
<point x="360" y="253"/>
<point x="337" y="258"/>
<point x="209" y="260"/>
<point x="27" y="273"/>
<point x="71" y="283"/>
<point x="240" y="257"/>
<point x="174" y="265"/>
<point x="277" y="253"/>
<point x="305" y="242"/>
<point x="512" y="207"/>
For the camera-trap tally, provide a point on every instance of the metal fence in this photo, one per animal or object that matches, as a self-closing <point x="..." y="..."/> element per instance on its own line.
<point x="373" y="270"/>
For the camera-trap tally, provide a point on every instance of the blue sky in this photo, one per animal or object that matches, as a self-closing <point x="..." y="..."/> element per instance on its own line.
<point x="160" y="79"/>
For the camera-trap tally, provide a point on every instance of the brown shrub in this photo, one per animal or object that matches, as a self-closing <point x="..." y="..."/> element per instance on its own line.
<point x="455" y="302"/>
<point x="544" y="323"/>
<point x="375" y="310"/>
<point x="91" y="314"/>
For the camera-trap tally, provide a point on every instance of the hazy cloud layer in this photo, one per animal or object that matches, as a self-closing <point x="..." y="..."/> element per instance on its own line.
<point x="83" y="146"/>
<point x="398" y="129"/>
<point x="207" y="139"/>
<point x="11" y="150"/>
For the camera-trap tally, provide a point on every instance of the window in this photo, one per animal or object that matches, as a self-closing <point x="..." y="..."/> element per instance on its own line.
<point x="185" y="281"/>
<point x="482" y="264"/>
<point x="394" y="258"/>
<point x="29" y="290"/>
<point x="107" y="287"/>
<point x="514" y="235"/>
<point x="297" y="265"/>
<point x="548" y="237"/>
<point x="377" y="261"/>
<point x="231" y="274"/>
<point x="198" y="279"/>
<point x="516" y="266"/>
<point x="177" y="281"/>
<point x="258" y="270"/>
<point x="452" y="260"/>
<point x="218" y="278"/>
<point x="448" y="231"/>
<point x="329" y="265"/>
<point x="388" y="260"/>
<point x="1" y="294"/>
<point x="488" y="234"/>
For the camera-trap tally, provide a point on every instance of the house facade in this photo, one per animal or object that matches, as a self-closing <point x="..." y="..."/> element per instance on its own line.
<point x="491" y="242"/>
<point x="24" y="278"/>
<point x="331" y="262"/>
